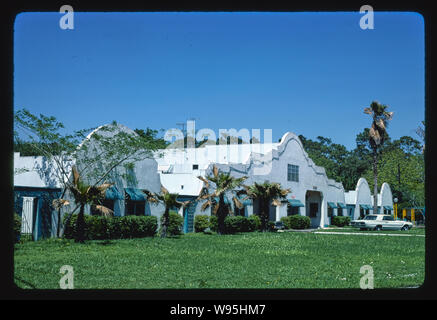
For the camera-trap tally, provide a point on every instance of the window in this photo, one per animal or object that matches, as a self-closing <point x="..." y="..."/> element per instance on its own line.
<point x="292" y="210"/>
<point x="136" y="208"/>
<point x="340" y="211"/>
<point x="195" y="166"/>
<point x="370" y="217"/>
<point x="293" y="173"/>
<point x="240" y="212"/>
<point x="389" y="218"/>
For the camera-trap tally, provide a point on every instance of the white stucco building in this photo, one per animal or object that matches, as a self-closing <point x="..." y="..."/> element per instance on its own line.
<point x="286" y="162"/>
<point x="359" y="202"/>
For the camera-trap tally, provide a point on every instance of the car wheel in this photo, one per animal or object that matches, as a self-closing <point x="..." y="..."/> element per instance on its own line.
<point x="404" y="228"/>
<point x="377" y="228"/>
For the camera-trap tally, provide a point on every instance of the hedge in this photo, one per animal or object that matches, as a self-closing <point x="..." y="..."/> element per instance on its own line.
<point x="176" y="222"/>
<point x="201" y="222"/>
<point x="340" y="221"/>
<point x="213" y="223"/>
<point x="296" y="222"/>
<point x="254" y="222"/>
<point x="17" y="227"/>
<point x="102" y="228"/>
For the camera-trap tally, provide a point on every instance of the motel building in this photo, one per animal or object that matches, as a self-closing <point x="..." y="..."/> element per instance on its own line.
<point x="312" y="193"/>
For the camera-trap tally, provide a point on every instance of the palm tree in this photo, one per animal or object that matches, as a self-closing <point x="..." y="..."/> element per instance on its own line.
<point x="84" y="194"/>
<point x="170" y="200"/>
<point x="221" y="183"/>
<point x="377" y="136"/>
<point x="266" y="193"/>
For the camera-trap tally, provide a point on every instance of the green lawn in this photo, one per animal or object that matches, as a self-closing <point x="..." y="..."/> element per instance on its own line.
<point x="250" y="260"/>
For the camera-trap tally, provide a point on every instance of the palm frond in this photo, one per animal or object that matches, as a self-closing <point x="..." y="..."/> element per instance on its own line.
<point x="215" y="171"/>
<point x="205" y="181"/>
<point x="238" y="203"/>
<point x="368" y="111"/>
<point x="76" y="176"/>
<point x="59" y="203"/>
<point x="104" y="210"/>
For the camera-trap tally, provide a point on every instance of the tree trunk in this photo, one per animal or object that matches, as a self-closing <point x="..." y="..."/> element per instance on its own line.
<point x="165" y="223"/>
<point x="264" y="214"/>
<point x="80" y="225"/>
<point x="58" y="227"/>
<point x="221" y="215"/>
<point x="375" y="182"/>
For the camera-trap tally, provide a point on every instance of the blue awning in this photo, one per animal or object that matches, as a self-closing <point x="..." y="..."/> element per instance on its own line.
<point x="332" y="205"/>
<point x="388" y="208"/>
<point x="246" y="202"/>
<point x="113" y="194"/>
<point x="135" y="194"/>
<point x="341" y="205"/>
<point x="365" y="206"/>
<point x="295" y="203"/>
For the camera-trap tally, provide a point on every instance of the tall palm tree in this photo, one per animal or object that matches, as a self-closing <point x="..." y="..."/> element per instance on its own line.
<point x="377" y="135"/>
<point x="84" y="194"/>
<point x="221" y="183"/>
<point x="170" y="200"/>
<point x="266" y="193"/>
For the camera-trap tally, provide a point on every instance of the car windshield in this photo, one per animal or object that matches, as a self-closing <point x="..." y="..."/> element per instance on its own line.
<point x="370" y="218"/>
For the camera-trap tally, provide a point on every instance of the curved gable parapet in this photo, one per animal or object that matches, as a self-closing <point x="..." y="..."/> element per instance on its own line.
<point x="386" y="195"/>
<point x="363" y="191"/>
<point x="385" y="188"/>
<point x="362" y="182"/>
<point x="119" y="128"/>
<point x="256" y="159"/>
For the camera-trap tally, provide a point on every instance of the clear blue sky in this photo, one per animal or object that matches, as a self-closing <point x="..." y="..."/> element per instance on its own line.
<point x="309" y="73"/>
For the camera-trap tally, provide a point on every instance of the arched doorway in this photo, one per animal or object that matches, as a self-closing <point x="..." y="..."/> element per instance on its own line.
<point x="313" y="206"/>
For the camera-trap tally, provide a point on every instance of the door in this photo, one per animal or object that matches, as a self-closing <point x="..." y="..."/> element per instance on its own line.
<point x="27" y="215"/>
<point x="314" y="213"/>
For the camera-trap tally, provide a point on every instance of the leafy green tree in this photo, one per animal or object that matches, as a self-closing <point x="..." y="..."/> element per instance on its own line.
<point x="220" y="183"/>
<point x="152" y="135"/>
<point x="94" y="155"/>
<point x="170" y="201"/>
<point x="377" y="134"/>
<point x="266" y="194"/>
<point x="405" y="173"/>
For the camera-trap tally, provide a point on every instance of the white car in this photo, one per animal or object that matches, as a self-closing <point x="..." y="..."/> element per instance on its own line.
<point x="381" y="222"/>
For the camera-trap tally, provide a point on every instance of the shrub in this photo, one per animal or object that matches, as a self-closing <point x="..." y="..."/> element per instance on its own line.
<point x="271" y="226"/>
<point x="234" y="224"/>
<point x="17" y="227"/>
<point x="254" y="222"/>
<point x="102" y="228"/>
<point x="296" y="222"/>
<point x="213" y="223"/>
<point x="176" y="222"/>
<point x="96" y="228"/>
<point x="201" y="222"/>
<point x="340" y="221"/>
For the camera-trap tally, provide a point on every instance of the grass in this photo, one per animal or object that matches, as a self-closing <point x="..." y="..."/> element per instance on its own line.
<point x="249" y="260"/>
